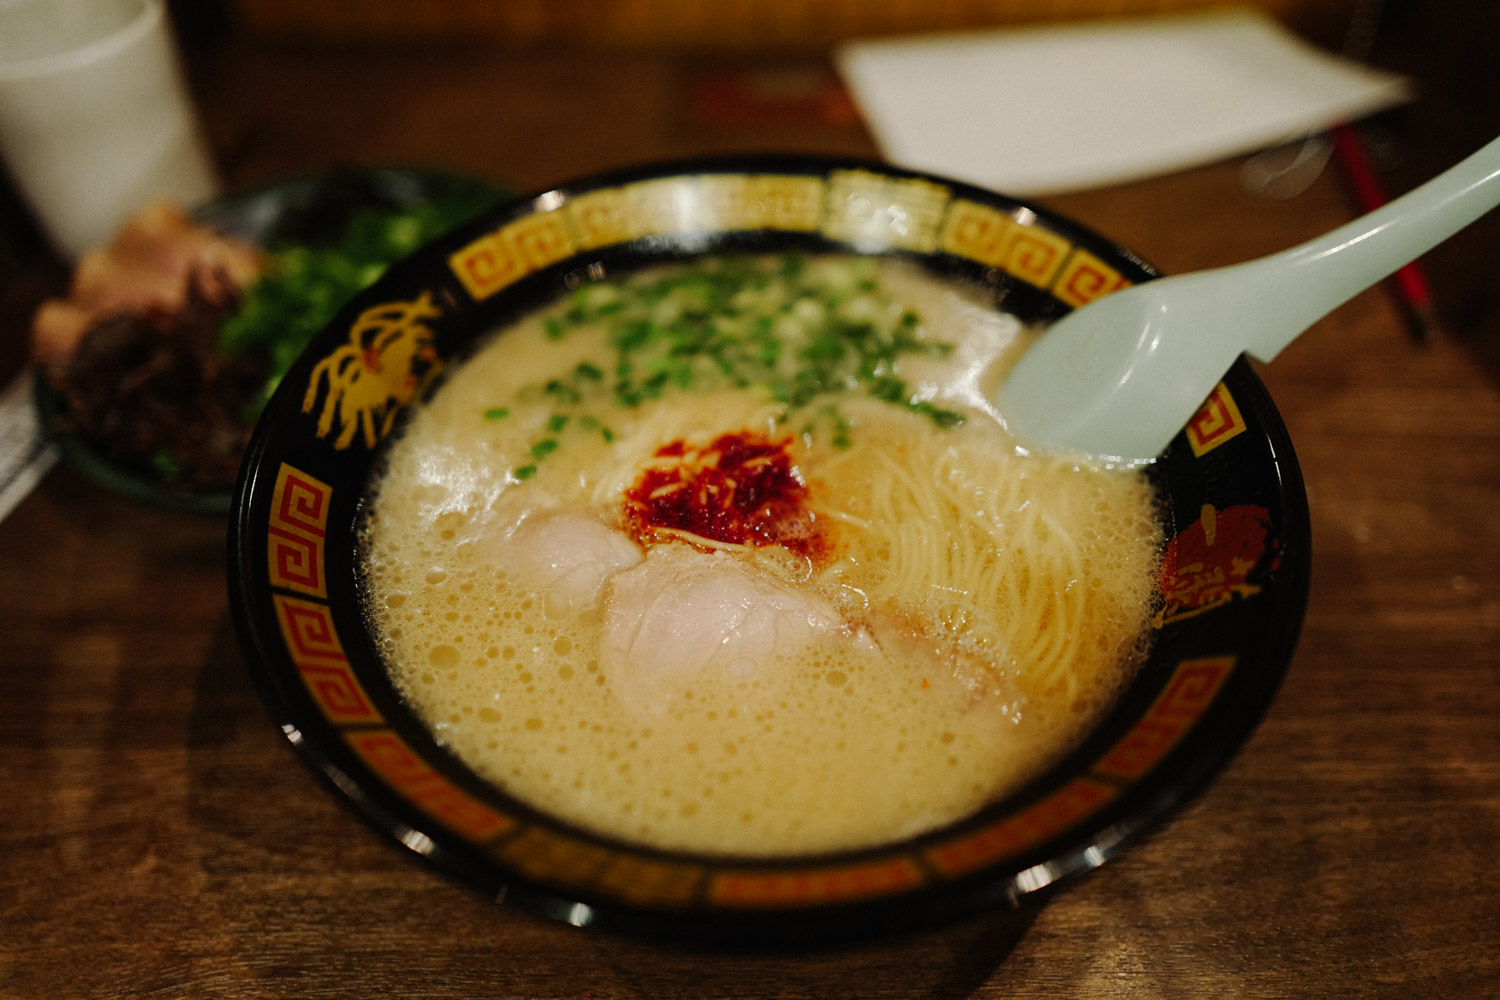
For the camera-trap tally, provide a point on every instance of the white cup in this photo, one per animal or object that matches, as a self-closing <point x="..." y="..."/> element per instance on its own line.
<point x="95" y="120"/>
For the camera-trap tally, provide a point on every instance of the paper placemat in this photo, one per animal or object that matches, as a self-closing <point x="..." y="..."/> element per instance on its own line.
<point x="1050" y="109"/>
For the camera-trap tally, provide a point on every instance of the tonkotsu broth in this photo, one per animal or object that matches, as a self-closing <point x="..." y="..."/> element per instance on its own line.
<point x="945" y="617"/>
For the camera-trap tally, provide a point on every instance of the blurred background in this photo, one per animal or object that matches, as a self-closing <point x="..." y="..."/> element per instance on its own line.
<point x="545" y="90"/>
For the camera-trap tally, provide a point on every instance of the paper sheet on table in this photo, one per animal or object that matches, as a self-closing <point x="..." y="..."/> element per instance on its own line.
<point x="1049" y="109"/>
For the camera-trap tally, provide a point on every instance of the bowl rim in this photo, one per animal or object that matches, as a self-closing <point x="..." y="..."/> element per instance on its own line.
<point x="1177" y="776"/>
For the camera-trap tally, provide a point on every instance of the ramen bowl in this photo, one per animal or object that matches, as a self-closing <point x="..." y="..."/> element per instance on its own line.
<point x="1232" y="587"/>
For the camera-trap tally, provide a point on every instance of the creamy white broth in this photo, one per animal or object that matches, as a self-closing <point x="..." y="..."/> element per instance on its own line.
<point x="969" y="612"/>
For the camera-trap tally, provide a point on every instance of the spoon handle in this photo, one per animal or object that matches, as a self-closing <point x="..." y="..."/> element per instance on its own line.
<point x="1301" y="285"/>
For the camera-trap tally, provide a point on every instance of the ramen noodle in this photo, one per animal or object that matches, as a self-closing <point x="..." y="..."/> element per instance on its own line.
<point x="736" y="557"/>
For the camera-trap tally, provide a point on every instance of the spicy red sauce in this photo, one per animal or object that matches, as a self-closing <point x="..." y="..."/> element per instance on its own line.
<point x="742" y="489"/>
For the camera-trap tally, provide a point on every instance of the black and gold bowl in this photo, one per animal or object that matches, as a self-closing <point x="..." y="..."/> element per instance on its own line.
<point x="1233" y="584"/>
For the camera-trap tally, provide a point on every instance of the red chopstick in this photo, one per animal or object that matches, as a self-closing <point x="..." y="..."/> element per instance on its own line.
<point x="1410" y="282"/>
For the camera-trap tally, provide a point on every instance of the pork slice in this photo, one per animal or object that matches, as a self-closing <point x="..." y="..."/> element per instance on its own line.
<point x="567" y="554"/>
<point x="682" y="612"/>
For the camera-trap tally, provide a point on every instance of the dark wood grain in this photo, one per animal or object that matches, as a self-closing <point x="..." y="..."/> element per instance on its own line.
<point x="160" y="839"/>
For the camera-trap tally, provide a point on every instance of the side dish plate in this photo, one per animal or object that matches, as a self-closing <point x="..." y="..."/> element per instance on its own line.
<point x="309" y="211"/>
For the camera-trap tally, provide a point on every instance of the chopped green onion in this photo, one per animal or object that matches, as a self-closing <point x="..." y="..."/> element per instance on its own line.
<point x="801" y="333"/>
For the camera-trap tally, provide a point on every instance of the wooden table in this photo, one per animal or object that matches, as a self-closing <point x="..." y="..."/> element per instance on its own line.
<point x="160" y="839"/>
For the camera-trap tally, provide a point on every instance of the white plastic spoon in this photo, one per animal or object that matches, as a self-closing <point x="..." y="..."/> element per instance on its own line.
<point x="1120" y="377"/>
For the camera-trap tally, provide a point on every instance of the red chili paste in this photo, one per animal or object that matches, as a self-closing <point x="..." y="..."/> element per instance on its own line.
<point x="741" y="489"/>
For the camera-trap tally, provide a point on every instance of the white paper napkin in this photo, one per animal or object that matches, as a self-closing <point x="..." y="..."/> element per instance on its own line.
<point x="1049" y="109"/>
